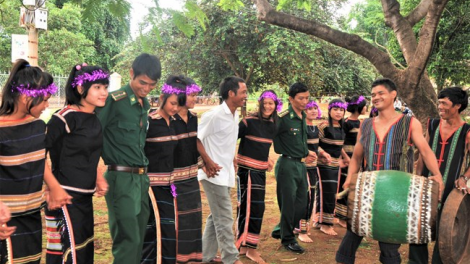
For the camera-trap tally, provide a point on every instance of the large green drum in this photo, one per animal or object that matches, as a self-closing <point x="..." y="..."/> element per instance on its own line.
<point x="393" y="206"/>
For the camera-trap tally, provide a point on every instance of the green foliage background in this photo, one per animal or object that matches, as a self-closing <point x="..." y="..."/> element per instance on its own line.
<point x="210" y="39"/>
<point x="237" y="43"/>
<point x="71" y="38"/>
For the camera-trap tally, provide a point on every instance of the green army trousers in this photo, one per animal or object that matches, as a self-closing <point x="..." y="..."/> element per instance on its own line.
<point x="292" y="197"/>
<point x="128" y="210"/>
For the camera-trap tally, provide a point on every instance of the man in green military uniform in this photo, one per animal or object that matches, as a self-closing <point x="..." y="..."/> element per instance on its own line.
<point x="292" y="186"/>
<point x="124" y="124"/>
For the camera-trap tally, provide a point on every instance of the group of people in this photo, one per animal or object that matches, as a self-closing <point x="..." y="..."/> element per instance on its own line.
<point x="157" y="159"/>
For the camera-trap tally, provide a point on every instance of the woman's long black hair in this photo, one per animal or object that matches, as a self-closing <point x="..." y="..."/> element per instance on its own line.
<point x="22" y="74"/>
<point x="330" y="120"/>
<point x="72" y="96"/>
<point x="179" y="82"/>
<point x="274" y="115"/>
<point x="352" y="108"/>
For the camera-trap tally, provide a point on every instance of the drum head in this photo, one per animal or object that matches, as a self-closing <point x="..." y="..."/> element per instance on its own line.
<point x="454" y="230"/>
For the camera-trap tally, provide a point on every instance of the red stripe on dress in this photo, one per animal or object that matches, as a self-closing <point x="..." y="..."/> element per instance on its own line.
<point x="186" y="258"/>
<point x="157" y="225"/>
<point x="252" y="163"/>
<point x="243" y="237"/>
<point x="176" y="220"/>
<point x="68" y="222"/>
<point x="53" y="252"/>
<point x="259" y="139"/>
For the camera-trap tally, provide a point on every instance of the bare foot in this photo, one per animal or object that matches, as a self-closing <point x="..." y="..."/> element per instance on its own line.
<point x="316" y="225"/>
<point x="342" y="223"/>
<point x="254" y="255"/>
<point x="243" y="251"/>
<point x="328" y="230"/>
<point x="305" y="238"/>
<point x="296" y="231"/>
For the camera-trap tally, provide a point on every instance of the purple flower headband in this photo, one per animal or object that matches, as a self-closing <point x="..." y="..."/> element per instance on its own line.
<point x="168" y="89"/>
<point x="271" y="95"/>
<point x="338" y="105"/>
<point x="193" y="88"/>
<point x="358" y="101"/>
<point x="42" y="91"/>
<point x="314" y="104"/>
<point x="87" y="77"/>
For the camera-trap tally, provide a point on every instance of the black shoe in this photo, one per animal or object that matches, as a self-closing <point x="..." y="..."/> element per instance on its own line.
<point x="294" y="247"/>
<point x="275" y="235"/>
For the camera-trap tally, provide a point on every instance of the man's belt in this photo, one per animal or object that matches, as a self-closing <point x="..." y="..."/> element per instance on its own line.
<point x="292" y="158"/>
<point x="136" y="170"/>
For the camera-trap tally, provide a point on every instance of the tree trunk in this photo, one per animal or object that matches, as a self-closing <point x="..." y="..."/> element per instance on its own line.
<point x="413" y="83"/>
<point x="423" y="99"/>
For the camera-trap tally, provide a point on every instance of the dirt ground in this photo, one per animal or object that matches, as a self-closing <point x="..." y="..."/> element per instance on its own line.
<point x="322" y="250"/>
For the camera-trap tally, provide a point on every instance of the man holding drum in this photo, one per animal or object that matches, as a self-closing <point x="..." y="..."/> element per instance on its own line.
<point x="448" y="138"/>
<point x="385" y="142"/>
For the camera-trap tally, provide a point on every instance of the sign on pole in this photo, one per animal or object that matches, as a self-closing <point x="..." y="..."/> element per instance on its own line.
<point x="114" y="82"/>
<point x="19" y="47"/>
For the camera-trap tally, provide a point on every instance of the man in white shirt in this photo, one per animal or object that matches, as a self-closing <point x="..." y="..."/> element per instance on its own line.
<point x="218" y="133"/>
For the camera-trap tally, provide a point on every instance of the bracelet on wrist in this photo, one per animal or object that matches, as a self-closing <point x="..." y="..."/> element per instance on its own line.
<point x="465" y="177"/>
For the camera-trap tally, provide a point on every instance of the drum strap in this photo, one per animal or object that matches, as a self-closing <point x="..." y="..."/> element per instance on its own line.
<point x="405" y="122"/>
<point x="466" y="160"/>
<point x="453" y="145"/>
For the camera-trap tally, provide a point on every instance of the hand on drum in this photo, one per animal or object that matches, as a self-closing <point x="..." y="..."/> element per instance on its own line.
<point x="438" y="179"/>
<point x="461" y="185"/>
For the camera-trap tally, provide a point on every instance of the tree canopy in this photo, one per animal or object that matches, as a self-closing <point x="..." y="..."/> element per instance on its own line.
<point x="448" y="64"/>
<point x="237" y="43"/>
<point x="414" y="42"/>
<point x="413" y="80"/>
<point x="70" y="38"/>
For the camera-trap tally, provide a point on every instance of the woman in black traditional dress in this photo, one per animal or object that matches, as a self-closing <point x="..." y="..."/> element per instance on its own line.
<point x="74" y="141"/>
<point x="186" y="163"/>
<point x="331" y="136"/>
<point x="160" y="242"/>
<point x="356" y="106"/>
<point x="22" y="162"/>
<point x="256" y="132"/>
<point x="313" y="113"/>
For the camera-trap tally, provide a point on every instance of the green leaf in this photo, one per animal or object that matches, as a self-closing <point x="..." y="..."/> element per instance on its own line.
<point x="194" y="11"/>
<point x="182" y="23"/>
<point x="230" y="5"/>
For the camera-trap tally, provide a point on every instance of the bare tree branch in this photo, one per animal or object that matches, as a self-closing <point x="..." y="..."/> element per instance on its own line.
<point x="419" y="12"/>
<point x="348" y="41"/>
<point x="229" y="62"/>
<point x="426" y="41"/>
<point x="388" y="52"/>
<point x="401" y="28"/>
<point x="413" y="81"/>
<point x="248" y="76"/>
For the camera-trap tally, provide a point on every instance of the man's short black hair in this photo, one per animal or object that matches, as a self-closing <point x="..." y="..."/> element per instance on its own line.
<point x="456" y="95"/>
<point x="229" y="84"/>
<point x="387" y="83"/>
<point x="146" y="64"/>
<point x="296" y="88"/>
